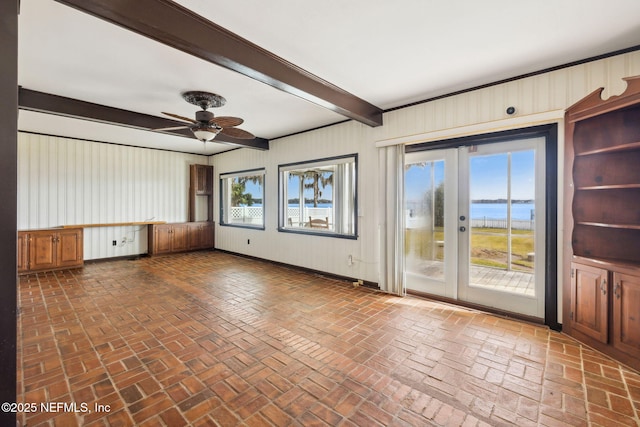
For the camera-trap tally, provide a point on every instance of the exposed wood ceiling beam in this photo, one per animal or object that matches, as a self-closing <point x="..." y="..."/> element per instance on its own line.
<point x="53" y="104"/>
<point x="174" y="25"/>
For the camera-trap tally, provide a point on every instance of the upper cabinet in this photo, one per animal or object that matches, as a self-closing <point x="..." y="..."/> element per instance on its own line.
<point x="202" y="179"/>
<point x="602" y="222"/>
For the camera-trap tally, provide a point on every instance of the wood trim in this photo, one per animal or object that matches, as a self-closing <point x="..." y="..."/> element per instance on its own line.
<point x="593" y="104"/>
<point x="182" y="29"/>
<point x="42" y="102"/>
<point x="8" y="213"/>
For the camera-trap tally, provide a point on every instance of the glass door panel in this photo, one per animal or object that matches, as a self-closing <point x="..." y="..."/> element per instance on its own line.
<point x="430" y="237"/>
<point x="503" y="191"/>
<point x="474" y="224"/>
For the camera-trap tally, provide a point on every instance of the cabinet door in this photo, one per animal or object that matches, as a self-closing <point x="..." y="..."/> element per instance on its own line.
<point x="23" y="258"/>
<point x="69" y="248"/>
<point x="203" y="179"/>
<point x="207" y="235"/>
<point x="179" y="237"/>
<point x="42" y="250"/>
<point x="589" y="308"/>
<point x="161" y="239"/>
<point x="626" y="313"/>
<point x="195" y="235"/>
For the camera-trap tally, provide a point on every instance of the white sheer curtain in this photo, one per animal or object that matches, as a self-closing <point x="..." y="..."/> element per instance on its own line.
<point x="391" y="207"/>
<point x="344" y="195"/>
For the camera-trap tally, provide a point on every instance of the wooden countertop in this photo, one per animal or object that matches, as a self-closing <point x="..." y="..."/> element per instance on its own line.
<point x="114" y="224"/>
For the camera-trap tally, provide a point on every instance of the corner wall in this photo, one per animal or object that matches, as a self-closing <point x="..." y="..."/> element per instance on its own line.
<point x="537" y="99"/>
<point x="63" y="181"/>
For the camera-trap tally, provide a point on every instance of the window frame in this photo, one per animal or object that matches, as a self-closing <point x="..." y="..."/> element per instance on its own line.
<point x="308" y="164"/>
<point x="238" y="174"/>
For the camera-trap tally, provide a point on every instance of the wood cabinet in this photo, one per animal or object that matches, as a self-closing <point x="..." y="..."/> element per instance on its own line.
<point x="202" y="179"/>
<point x="23" y="256"/>
<point x="589" y="301"/>
<point x="180" y="237"/>
<point x="626" y="313"/>
<point x="167" y="238"/>
<point x="200" y="235"/>
<point x="50" y="249"/>
<point x="602" y="223"/>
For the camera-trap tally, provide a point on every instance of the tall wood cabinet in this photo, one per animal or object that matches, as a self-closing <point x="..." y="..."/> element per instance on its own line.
<point x="602" y="223"/>
<point x="200" y="191"/>
<point x="50" y="249"/>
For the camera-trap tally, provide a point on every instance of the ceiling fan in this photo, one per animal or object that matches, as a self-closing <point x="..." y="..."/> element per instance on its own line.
<point x="206" y="126"/>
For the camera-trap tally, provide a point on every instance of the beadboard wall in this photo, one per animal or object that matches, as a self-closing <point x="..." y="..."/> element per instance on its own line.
<point x="537" y="99"/>
<point x="63" y="181"/>
<point x="320" y="253"/>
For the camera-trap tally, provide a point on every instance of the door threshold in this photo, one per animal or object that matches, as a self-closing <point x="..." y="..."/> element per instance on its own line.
<point x="498" y="312"/>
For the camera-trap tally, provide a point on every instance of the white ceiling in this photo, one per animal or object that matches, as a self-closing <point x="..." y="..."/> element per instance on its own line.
<point x="387" y="53"/>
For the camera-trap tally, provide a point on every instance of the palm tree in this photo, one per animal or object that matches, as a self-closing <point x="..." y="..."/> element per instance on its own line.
<point x="238" y="188"/>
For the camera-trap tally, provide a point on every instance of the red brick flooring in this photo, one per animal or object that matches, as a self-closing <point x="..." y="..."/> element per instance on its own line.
<point x="208" y="338"/>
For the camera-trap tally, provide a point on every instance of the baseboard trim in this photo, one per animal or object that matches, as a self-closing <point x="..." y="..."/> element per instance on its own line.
<point x="365" y="283"/>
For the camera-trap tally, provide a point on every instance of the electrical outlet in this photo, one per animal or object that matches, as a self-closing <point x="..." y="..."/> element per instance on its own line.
<point x="124" y="241"/>
<point x="350" y="260"/>
<point x="114" y="243"/>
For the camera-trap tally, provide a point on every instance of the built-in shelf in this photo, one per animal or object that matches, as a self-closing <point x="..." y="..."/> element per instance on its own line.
<point x="615" y="149"/>
<point x="610" y="187"/>
<point x="601" y="281"/>
<point x="607" y="263"/>
<point x="607" y="225"/>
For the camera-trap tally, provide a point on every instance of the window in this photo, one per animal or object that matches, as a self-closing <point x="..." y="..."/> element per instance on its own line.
<point x="319" y="197"/>
<point x="242" y="198"/>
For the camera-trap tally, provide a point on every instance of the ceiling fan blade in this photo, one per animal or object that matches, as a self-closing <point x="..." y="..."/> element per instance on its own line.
<point x="227" y="121"/>
<point x="172" y="128"/>
<point x="237" y="133"/>
<point x="186" y="119"/>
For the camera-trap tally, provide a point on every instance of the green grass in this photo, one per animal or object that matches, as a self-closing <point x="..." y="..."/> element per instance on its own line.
<point x="488" y="246"/>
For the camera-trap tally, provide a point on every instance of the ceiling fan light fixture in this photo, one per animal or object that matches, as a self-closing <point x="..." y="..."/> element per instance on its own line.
<point x="205" y="133"/>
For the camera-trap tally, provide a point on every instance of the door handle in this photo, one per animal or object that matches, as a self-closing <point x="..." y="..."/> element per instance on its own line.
<point x="463" y="228"/>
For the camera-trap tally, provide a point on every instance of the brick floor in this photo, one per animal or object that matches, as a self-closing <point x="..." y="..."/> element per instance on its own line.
<point x="212" y="339"/>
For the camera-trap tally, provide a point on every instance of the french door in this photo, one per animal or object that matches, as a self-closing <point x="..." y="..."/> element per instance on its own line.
<point x="474" y="224"/>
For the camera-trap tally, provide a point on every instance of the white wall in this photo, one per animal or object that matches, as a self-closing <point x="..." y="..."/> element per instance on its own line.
<point x="65" y="181"/>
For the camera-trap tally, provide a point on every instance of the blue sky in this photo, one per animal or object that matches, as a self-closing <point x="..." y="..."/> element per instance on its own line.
<point x="488" y="177"/>
<point x="254" y="189"/>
